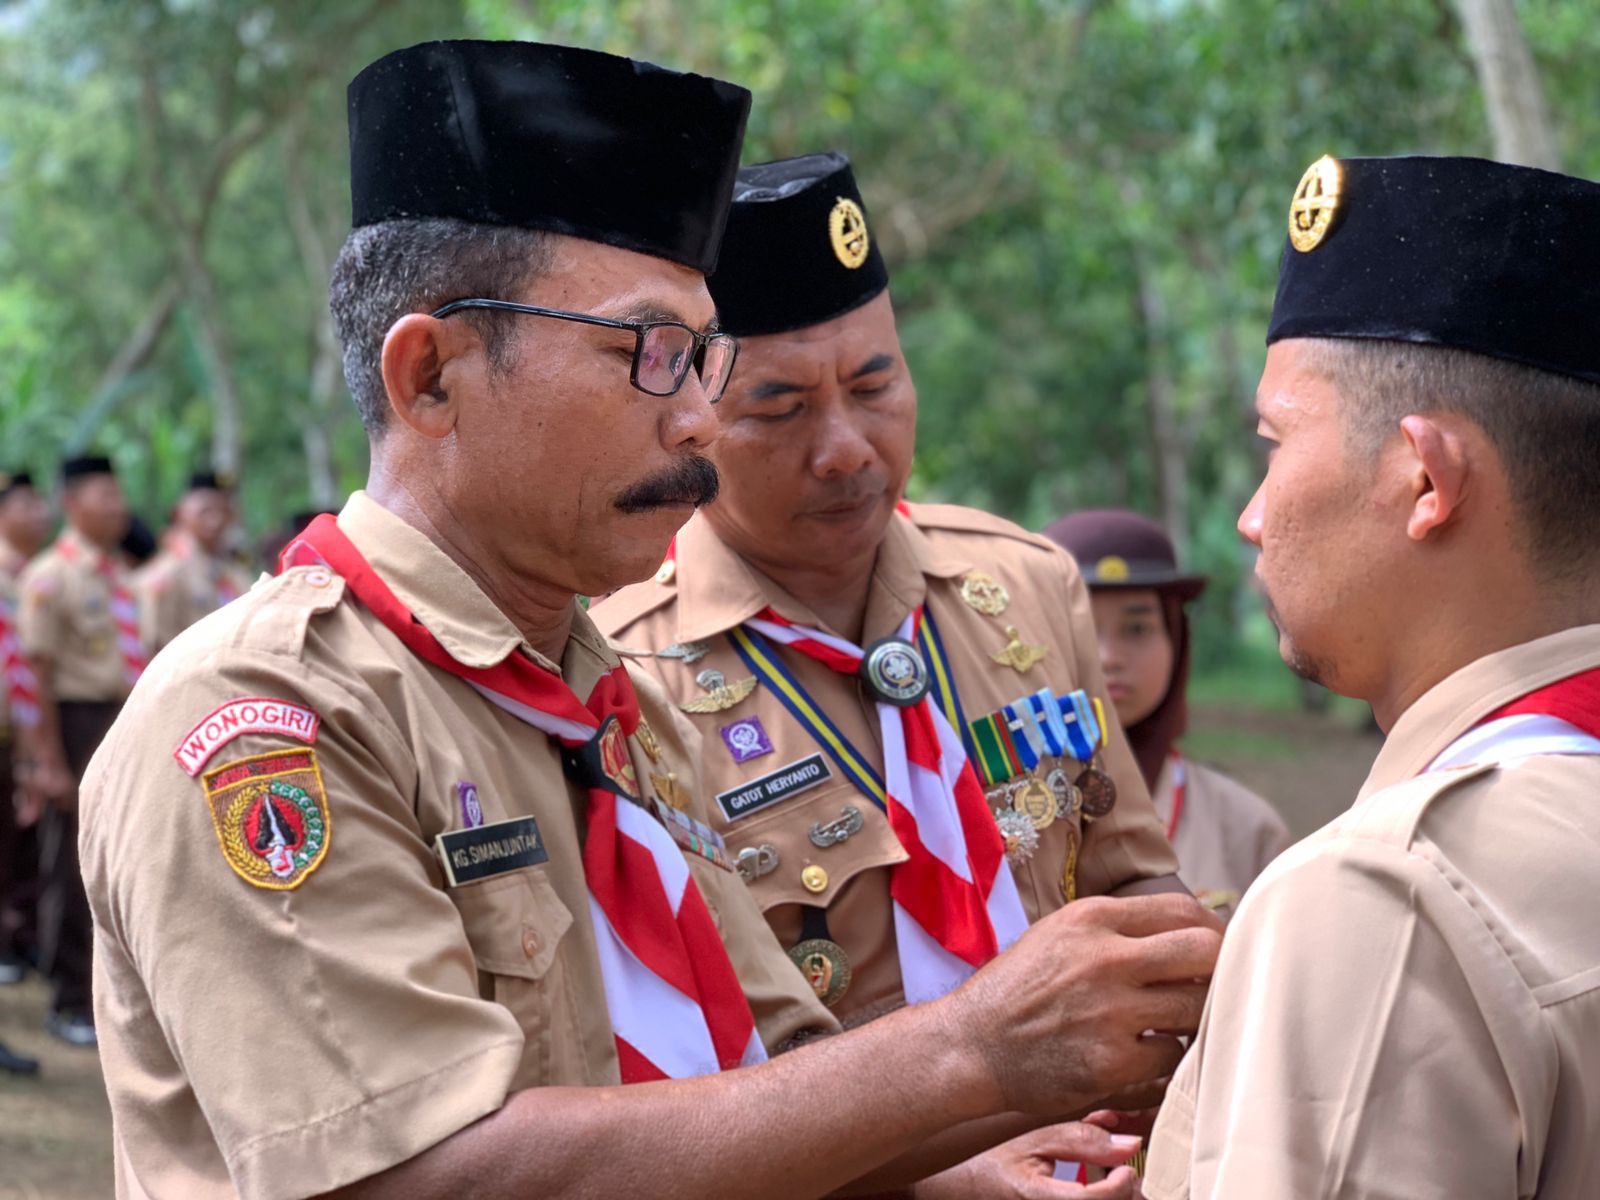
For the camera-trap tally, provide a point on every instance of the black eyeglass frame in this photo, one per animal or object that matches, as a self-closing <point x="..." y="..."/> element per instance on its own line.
<point x="639" y="329"/>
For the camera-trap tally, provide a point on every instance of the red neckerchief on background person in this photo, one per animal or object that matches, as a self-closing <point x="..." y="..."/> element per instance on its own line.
<point x="124" y="612"/>
<point x="676" y="1005"/>
<point x="1180" y="786"/>
<point x="22" y="685"/>
<point x="955" y="900"/>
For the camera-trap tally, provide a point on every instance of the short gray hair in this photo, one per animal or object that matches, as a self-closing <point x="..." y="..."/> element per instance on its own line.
<point x="387" y="270"/>
<point x="1545" y="427"/>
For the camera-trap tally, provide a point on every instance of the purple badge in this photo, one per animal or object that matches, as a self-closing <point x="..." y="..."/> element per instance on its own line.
<point x="746" y="739"/>
<point x="471" y="810"/>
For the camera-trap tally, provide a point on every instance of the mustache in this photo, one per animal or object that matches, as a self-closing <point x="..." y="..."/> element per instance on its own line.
<point x="690" y="480"/>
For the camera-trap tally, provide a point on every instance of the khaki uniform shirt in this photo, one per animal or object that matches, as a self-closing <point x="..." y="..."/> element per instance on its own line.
<point x="924" y="559"/>
<point x="1226" y="834"/>
<point x="1408" y="1002"/>
<point x="179" y="586"/>
<point x="11" y="564"/>
<point x="280" y="1043"/>
<point x="65" y="615"/>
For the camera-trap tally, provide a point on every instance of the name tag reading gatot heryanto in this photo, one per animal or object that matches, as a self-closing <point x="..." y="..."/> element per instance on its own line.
<point x="472" y="855"/>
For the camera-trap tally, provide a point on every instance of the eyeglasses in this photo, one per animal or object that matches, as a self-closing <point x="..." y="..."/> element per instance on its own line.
<point x="663" y="351"/>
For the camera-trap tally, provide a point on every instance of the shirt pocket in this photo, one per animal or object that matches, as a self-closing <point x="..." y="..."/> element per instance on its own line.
<point x="517" y="929"/>
<point x="794" y="860"/>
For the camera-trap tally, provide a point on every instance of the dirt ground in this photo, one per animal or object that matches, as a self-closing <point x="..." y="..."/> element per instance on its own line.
<point x="55" y="1131"/>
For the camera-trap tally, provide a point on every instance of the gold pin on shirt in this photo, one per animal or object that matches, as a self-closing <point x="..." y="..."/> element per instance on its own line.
<point x="720" y="694"/>
<point x="670" y="791"/>
<point x="985" y="594"/>
<point x="1017" y="654"/>
<point x="647" y="740"/>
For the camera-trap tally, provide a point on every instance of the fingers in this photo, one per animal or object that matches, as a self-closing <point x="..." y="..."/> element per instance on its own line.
<point x="1132" y="1099"/>
<point x="1078" y="1142"/>
<point x="1146" y="916"/>
<point x="1119" y="1185"/>
<point x="1182" y="954"/>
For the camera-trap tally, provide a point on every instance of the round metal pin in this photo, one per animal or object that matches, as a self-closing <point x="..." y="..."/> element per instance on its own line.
<point x="894" y="672"/>
<point x="825" y="966"/>
<point x="1037" y="802"/>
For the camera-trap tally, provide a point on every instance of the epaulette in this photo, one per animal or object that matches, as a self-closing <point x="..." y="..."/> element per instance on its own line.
<point x="277" y="612"/>
<point x="959" y="519"/>
<point x="626" y="605"/>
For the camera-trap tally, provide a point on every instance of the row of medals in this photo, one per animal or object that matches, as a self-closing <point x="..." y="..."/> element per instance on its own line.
<point x="1024" y="808"/>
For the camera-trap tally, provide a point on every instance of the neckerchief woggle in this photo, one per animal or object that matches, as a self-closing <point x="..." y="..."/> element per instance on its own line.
<point x="955" y="901"/>
<point x="676" y="1005"/>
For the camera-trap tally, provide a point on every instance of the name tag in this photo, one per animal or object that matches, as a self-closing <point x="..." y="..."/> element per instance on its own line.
<point x="786" y="781"/>
<point x="471" y="855"/>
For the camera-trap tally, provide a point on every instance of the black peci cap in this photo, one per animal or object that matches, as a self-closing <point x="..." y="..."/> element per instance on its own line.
<point x="10" y="481"/>
<point x="86" y="464"/>
<point x="1480" y="256"/>
<point x="799" y="250"/>
<point x="548" y="137"/>
<point x="210" y="481"/>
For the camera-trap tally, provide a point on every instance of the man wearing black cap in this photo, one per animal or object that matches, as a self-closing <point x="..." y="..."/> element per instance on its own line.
<point x="767" y="620"/>
<point x="193" y="574"/>
<point x="1408" y="1003"/>
<point x="77" y="626"/>
<point x="396" y="873"/>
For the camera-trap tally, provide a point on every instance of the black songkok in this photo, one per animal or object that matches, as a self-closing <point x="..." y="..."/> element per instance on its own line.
<point x="799" y="249"/>
<point x="86" y="464"/>
<point x="548" y="137"/>
<point x="1498" y="260"/>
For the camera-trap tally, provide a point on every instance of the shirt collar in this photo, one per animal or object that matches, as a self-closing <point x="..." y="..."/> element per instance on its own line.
<point x="450" y="604"/>
<point x="718" y="590"/>
<point x="1462" y="699"/>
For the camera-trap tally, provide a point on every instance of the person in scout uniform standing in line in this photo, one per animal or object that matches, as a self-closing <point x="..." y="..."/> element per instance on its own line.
<point x="1408" y="1002"/>
<point x="843" y="654"/>
<point x="78" y="629"/>
<point x="1224" y="834"/>
<point x="397" y="875"/>
<point x="192" y="575"/>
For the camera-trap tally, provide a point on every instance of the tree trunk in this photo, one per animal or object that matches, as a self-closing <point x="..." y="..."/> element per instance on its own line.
<point x="1518" y="116"/>
<point x="324" y="375"/>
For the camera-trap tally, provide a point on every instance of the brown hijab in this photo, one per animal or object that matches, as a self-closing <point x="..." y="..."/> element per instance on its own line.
<point x="1121" y="550"/>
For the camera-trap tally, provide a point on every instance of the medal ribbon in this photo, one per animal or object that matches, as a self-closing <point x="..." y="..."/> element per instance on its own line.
<point x="22" y="685"/>
<point x="955" y="901"/>
<point x="676" y="1005"/>
<point x="124" y="612"/>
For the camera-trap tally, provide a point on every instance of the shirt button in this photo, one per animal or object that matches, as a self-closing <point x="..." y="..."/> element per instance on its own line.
<point x="667" y="571"/>
<point x="815" y="879"/>
<point x="530" y="942"/>
<point x="319" y="577"/>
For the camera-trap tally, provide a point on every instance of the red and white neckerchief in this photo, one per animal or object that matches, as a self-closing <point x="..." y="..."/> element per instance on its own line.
<point x="1563" y="718"/>
<point x="124" y="612"/>
<point x="1180" y="786"/>
<point x="676" y="1005"/>
<point x="22" y="685"/>
<point x="955" y="900"/>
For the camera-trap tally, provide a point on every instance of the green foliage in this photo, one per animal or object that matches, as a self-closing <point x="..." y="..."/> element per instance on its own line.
<point x="1027" y="165"/>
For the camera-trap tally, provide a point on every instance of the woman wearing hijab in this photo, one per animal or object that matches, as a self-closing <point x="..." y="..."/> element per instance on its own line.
<point x="1224" y="834"/>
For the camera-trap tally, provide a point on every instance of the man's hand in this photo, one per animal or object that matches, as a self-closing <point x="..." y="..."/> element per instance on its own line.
<point x="1023" y="1169"/>
<point x="1089" y="1001"/>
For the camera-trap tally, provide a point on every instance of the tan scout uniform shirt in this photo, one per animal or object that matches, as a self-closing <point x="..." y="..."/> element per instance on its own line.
<point x="1226" y="834"/>
<point x="11" y="565"/>
<point x="179" y="586"/>
<point x="923" y="559"/>
<point x="280" y="1043"/>
<point x="1408" y="1001"/>
<point x="65" y="615"/>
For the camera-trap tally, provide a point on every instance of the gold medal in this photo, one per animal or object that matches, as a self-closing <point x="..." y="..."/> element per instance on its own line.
<point x="985" y="594"/>
<point x="1037" y="802"/>
<point x="825" y="966"/>
<point x="1018" y="654"/>
<point x="720" y="694"/>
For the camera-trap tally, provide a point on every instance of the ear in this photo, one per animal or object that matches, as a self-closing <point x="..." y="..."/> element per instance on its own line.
<point x="1437" y="465"/>
<point x="425" y="362"/>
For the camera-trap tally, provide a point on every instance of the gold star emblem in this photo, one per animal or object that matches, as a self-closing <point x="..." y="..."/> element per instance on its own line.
<point x="1018" y="654"/>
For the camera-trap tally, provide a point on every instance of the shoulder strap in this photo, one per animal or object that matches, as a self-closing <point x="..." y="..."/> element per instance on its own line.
<point x="1392" y="815"/>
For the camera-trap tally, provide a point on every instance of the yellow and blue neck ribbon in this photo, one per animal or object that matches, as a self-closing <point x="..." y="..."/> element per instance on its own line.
<point x="944" y="682"/>
<point x="765" y="665"/>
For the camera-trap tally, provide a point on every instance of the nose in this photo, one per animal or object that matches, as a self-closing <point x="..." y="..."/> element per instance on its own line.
<point x="1109" y="657"/>
<point x="1251" y="518"/>
<point x="689" y="421"/>
<point x="841" y="448"/>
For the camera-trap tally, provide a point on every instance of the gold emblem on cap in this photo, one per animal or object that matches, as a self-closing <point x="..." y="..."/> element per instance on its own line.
<point x="985" y="593"/>
<point x="847" y="226"/>
<point x="1315" y="202"/>
<point x="1111" y="569"/>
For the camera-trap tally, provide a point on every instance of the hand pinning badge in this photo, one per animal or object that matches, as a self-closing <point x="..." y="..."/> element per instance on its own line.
<point x="720" y="694"/>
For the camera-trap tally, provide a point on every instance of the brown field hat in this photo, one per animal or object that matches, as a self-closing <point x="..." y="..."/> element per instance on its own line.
<point x="1116" y="548"/>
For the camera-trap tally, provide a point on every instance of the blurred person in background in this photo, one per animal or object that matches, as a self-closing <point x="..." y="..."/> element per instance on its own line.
<point x="1224" y="833"/>
<point x="193" y="574"/>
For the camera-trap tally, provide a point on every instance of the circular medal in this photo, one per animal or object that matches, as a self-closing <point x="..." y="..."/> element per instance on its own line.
<point x="1020" y="834"/>
<point x="1066" y="795"/>
<point x="894" y="672"/>
<point x="1098" y="790"/>
<point x="1037" y="802"/>
<point x="825" y="966"/>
